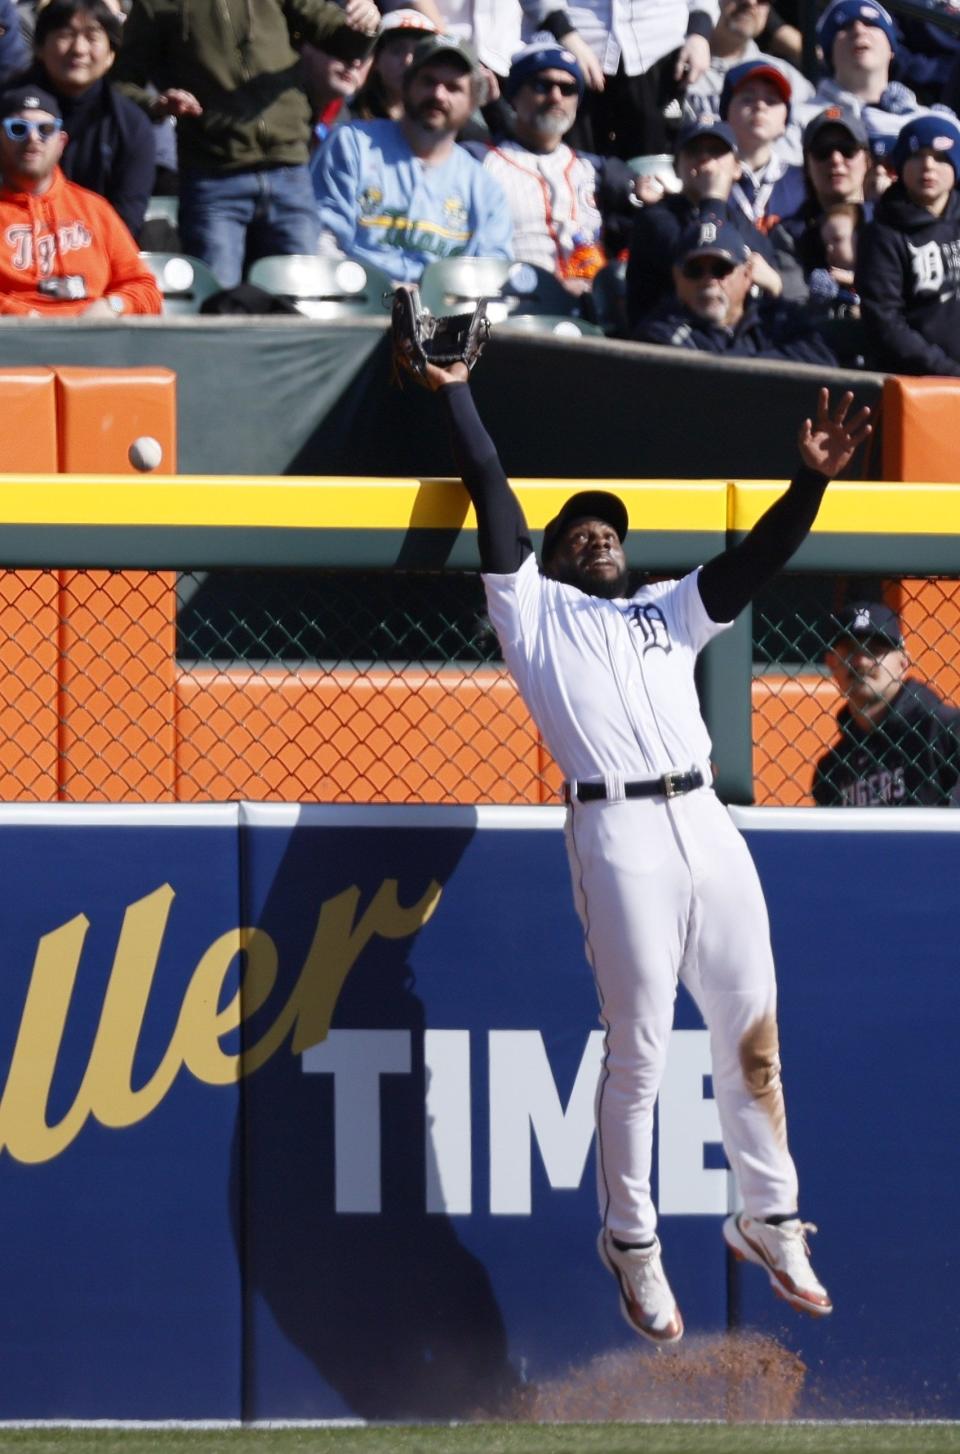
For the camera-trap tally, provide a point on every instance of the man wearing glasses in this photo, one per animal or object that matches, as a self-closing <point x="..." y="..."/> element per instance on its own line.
<point x="711" y="309"/>
<point x="558" y="198"/>
<point x="63" y="250"/>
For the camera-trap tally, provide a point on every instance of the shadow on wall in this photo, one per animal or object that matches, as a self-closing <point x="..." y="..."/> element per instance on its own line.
<point x="396" y="1318"/>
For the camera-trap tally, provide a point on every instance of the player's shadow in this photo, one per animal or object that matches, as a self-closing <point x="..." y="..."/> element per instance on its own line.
<point x="390" y="1309"/>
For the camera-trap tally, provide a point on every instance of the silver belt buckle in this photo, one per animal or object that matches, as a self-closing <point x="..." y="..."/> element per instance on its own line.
<point x="673" y="784"/>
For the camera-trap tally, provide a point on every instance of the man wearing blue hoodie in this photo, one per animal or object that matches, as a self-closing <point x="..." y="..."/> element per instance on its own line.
<point x="908" y="273"/>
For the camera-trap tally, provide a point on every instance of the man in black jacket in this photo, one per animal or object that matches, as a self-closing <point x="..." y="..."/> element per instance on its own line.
<point x="908" y="272"/>
<point x="710" y="308"/>
<point x="899" y="743"/>
<point x="111" y="148"/>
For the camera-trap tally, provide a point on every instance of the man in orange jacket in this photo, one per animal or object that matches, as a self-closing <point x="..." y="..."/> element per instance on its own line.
<point x="63" y="250"/>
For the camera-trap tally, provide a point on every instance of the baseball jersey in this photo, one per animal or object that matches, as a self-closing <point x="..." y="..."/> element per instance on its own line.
<point x="552" y="201"/>
<point x="382" y="205"/>
<point x="610" y="684"/>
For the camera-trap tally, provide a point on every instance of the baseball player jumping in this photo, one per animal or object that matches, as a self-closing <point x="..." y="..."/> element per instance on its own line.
<point x="664" y="884"/>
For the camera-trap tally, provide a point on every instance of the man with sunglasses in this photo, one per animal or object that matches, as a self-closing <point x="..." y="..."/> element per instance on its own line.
<point x="711" y="309"/>
<point x="836" y="157"/>
<point x="899" y="744"/>
<point x="63" y="249"/>
<point x="558" y="198"/>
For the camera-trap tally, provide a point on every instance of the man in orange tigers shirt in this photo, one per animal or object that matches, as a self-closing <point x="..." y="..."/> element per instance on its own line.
<point x="63" y="250"/>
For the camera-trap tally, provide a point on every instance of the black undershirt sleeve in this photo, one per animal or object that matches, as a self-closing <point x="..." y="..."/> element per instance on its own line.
<point x="502" y="533"/>
<point x="731" y="580"/>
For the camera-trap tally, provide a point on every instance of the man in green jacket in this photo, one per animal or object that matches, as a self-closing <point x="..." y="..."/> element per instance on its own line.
<point x="229" y="71"/>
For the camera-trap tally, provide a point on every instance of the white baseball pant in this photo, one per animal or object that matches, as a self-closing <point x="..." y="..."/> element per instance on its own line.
<point x="666" y="890"/>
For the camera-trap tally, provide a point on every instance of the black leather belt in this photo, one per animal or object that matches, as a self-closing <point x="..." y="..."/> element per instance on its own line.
<point x="671" y="785"/>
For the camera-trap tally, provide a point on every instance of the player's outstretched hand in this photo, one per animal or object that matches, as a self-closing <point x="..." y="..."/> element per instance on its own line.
<point x="828" y="444"/>
<point x="438" y="378"/>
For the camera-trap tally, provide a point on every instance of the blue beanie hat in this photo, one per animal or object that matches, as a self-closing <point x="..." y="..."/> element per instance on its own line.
<point x="533" y="59"/>
<point x="936" y="131"/>
<point x="842" y="13"/>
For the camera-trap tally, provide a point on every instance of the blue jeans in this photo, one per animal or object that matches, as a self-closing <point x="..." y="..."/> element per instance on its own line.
<point x="232" y="220"/>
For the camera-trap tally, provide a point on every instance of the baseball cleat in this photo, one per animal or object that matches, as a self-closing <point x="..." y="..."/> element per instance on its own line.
<point x="646" y="1301"/>
<point x="783" y="1251"/>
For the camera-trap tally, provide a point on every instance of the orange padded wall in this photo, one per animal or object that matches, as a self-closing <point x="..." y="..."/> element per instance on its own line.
<point x="921" y="426"/>
<point x="28" y="605"/>
<point x="117" y="656"/>
<point x="102" y="411"/>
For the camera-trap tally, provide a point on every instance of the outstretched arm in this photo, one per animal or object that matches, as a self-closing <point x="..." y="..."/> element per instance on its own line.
<point x="731" y="580"/>
<point x="502" y="533"/>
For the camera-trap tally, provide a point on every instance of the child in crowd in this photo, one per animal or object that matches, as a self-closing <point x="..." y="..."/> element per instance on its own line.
<point x="908" y="273"/>
<point x="756" y="104"/>
<point x="832" y="285"/>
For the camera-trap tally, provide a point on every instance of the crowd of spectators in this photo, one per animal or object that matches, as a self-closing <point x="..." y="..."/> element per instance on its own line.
<point x="747" y="198"/>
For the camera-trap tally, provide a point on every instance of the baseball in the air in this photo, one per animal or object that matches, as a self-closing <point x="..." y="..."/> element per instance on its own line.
<point x="145" y="453"/>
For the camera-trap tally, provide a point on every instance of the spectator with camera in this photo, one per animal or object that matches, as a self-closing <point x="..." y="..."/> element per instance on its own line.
<point x="63" y="249"/>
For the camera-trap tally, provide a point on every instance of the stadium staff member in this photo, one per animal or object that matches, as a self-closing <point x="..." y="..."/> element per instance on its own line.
<point x="63" y="250"/>
<point x="899" y="743"/>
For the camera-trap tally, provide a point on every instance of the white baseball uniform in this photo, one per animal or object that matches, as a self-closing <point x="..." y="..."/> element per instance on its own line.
<point x="665" y="887"/>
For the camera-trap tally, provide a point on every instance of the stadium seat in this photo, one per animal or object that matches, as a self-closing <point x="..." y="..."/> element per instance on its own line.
<point x="609" y="297"/>
<point x="562" y="326"/>
<point x="165" y="209"/>
<point x="323" y="287"/>
<point x="454" y="284"/>
<point x="184" y="281"/>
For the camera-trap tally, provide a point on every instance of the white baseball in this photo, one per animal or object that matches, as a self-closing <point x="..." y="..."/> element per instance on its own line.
<point x="145" y="453"/>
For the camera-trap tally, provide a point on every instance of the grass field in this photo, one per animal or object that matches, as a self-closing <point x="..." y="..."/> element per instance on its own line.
<point x="675" y="1438"/>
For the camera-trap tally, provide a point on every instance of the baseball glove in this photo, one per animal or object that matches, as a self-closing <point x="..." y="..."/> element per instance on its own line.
<point x="418" y="338"/>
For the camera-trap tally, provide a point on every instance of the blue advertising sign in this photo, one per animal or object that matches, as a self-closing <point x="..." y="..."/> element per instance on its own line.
<point x="296" y="1113"/>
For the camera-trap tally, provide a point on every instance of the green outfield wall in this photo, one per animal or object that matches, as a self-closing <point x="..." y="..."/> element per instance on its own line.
<point x="293" y="397"/>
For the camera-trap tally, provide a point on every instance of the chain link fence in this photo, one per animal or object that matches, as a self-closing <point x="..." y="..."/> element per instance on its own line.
<point x="336" y="686"/>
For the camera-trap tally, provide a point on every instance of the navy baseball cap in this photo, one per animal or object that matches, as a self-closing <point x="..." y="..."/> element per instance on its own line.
<point x="533" y="59"/>
<point x="936" y="131"/>
<point x="868" y="621"/>
<point x="759" y="69"/>
<point x="706" y="125"/>
<point x="586" y="505"/>
<point x="842" y="14"/>
<point x="837" y="117"/>
<point x="28" y="98"/>
<point x="711" y="236"/>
